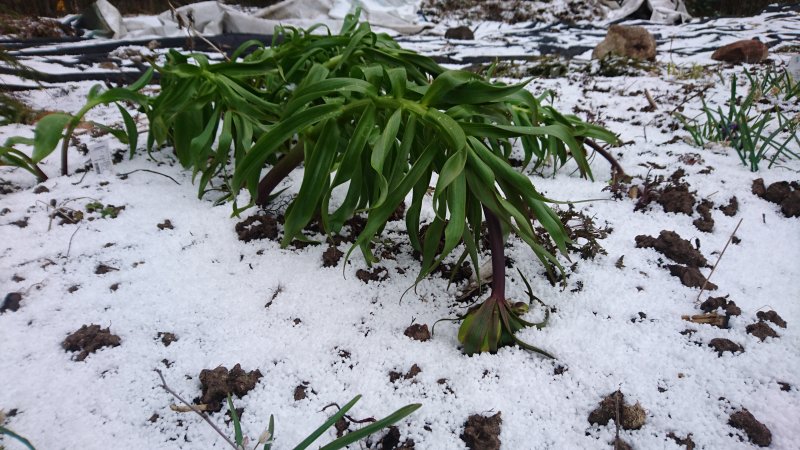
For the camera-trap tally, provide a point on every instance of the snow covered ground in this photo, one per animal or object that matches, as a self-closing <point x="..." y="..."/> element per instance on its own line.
<point x="616" y="326"/>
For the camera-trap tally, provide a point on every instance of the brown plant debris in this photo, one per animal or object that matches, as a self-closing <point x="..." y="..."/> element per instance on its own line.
<point x="88" y="339"/>
<point x="761" y="330"/>
<point x="11" y="302"/>
<point x="418" y="332"/>
<point x="756" y="431"/>
<point x="103" y="269"/>
<point x="632" y="417"/>
<point x="691" y="277"/>
<point x="482" y="433"/>
<point x="257" y="227"/>
<point x="671" y="245"/>
<point x="722" y="345"/>
<point x="687" y="441"/>
<point x="771" y="316"/>
<point x="218" y="383"/>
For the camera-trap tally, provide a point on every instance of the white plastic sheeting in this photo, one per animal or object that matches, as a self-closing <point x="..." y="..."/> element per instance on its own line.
<point x="211" y="17"/>
<point x="663" y="11"/>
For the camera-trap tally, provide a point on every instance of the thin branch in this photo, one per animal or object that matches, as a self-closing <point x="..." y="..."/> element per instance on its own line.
<point x="195" y="410"/>
<point x="151" y="171"/>
<point x="730" y="238"/>
<point x="605" y="154"/>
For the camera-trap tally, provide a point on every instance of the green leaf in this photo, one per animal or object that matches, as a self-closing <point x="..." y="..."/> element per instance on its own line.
<point x="328" y="423"/>
<point x="47" y="133"/>
<point x="237" y="427"/>
<point x="130" y="128"/>
<point x="357" y="435"/>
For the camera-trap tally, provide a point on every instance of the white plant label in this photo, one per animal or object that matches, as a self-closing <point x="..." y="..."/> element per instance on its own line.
<point x="100" y="156"/>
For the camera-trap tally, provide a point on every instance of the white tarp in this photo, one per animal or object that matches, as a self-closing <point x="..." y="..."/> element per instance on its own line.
<point x="211" y="17"/>
<point x="663" y="11"/>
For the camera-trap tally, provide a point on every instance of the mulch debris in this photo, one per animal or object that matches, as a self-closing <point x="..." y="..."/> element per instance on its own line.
<point x="631" y="417"/>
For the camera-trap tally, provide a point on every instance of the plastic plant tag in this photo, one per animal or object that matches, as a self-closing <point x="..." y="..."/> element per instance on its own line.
<point x="100" y="156"/>
<point x="794" y="68"/>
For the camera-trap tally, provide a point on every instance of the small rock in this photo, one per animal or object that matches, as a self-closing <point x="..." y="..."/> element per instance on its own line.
<point x="761" y="330"/>
<point x="721" y="345"/>
<point x="11" y="302"/>
<point x="463" y="33"/>
<point x="418" y="332"/>
<point x="630" y="41"/>
<point x="750" y="51"/>
<point x="756" y="431"/>
<point x="771" y="316"/>
<point x="482" y="433"/>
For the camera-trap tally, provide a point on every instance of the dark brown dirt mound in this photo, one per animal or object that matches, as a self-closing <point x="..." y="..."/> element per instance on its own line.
<point x="691" y="277"/>
<point x="756" y="431"/>
<point x="671" y="245"/>
<point x="11" y="302"/>
<point x="761" y="330"/>
<point x="218" y="383"/>
<point x="88" y="339"/>
<point x="731" y="208"/>
<point x="677" y="199"/>
<point x="722" y="345"/>
<point x="376" y="274"/>
<point x="412" y="372"/>
<point x="771" y="316"/>
<point x="418" y="332"/>
<point x="482" y="433"/>
<point x="631" y="417"/>
<point x="705" y="222"/>
<point x="714" y="303"/>
<point x="331" y="256"/>
<point x="782" y="193"/>
<point x="391" y="441"/>
<point x="257" y="227"/>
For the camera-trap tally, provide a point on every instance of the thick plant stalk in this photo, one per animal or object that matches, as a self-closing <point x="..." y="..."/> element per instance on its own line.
<point x="279" y="171"/>
<point x="498" y="257"/>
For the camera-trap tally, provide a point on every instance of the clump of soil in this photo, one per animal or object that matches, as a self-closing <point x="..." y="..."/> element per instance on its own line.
<point x="103" y="269"/>
<point x="687" y="442"/>
<point x="458" y="274"/>
<point x="705" y="222"/>
<point x="41" y="189"/>
<point x="782" y="193"/>
<point x="714" y="303"/>
<point x="257" y="227"/>
<point x="11" y="302"/>
<point x="399" y="213"/>
<point x="482" y="433"/>
<point x="761" y="330"/>
<point x="731" y="208"/>
<point x="22" y="223"/>
<point x="218" y="383"/>
<point x="166" y="225"/>
<point x="691" y="277"/>
<point x="677" y="199"/>
<point x="671" y="245"/>
<point x="771" y="316"/>
<point x="331" y="256"/>
<point x="412" y="372"/>
<point x="391" y="441"/>
<point x="418" y="332"/>
<point x="88" y="339"/>
<point x="631" y="417"/>
<point x="376" y="274"/>
<point x="756" y="431"/>
<point x="167" y="338"/>
<point x="300" y="392"/>
<point x="722" y="345"/>
<point x="619" y="444"/>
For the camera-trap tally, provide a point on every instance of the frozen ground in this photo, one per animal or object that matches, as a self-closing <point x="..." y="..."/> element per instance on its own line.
<point x="615" y="326"/>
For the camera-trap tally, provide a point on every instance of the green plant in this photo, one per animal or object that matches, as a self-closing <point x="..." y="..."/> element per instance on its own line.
<point x="378" y="122"/>
<point x="267" y="438"/>
<point x="755" y="134"/>
<point x="6" y="432"/>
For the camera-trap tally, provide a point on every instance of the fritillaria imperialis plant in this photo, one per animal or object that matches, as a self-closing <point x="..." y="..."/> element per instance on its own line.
<point x="381" y="123"/>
